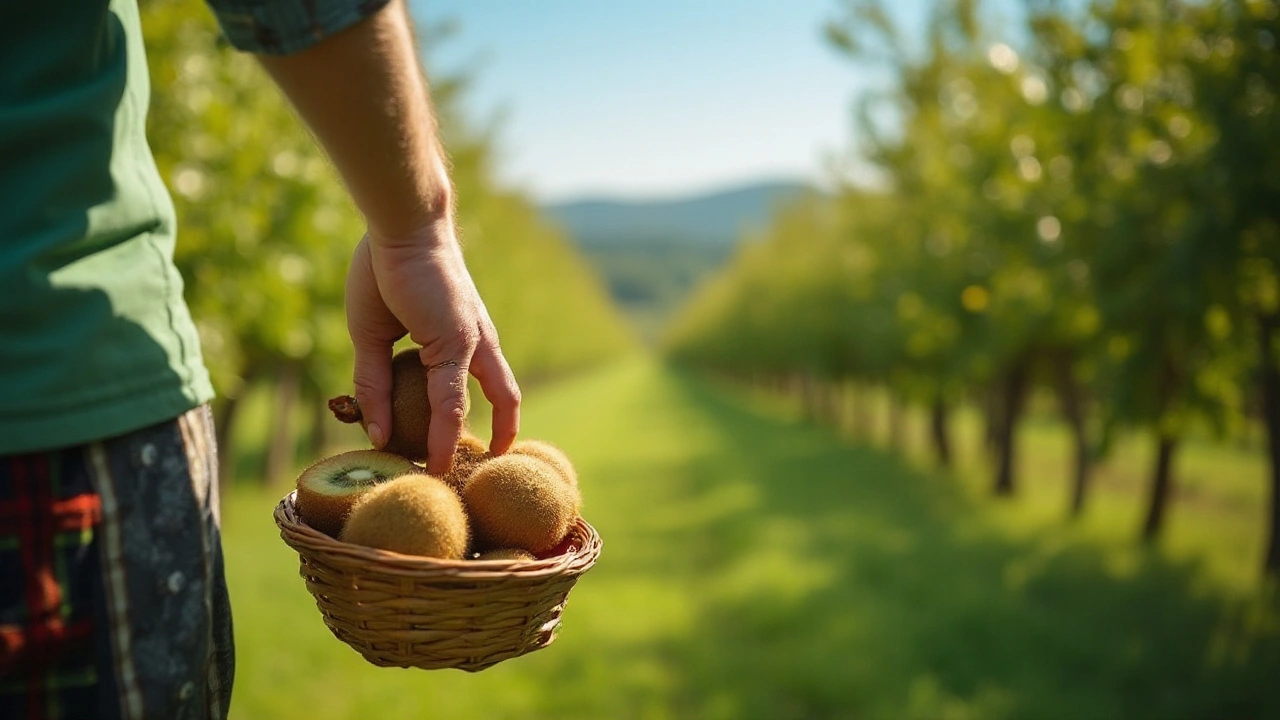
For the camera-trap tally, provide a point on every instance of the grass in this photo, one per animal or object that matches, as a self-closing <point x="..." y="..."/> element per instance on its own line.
<point x="759" y="568"/>
<point x="1217" y="513"/>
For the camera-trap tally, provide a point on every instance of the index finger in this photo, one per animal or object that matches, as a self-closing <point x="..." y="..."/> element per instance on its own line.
<point x="446" y="390"/>
<point x="499" y="386"/>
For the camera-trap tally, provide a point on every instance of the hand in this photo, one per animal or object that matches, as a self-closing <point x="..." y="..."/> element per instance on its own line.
<point x="418" y="284"/>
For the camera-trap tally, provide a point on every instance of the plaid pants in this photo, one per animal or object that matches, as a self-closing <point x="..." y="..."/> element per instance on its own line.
<point x="113" y="603"/>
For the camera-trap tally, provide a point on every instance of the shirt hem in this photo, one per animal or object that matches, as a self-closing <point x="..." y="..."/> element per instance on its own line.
<point x="106" y="420"/>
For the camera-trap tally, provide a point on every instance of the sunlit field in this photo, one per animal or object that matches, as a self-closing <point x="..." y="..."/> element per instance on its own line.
<point x="758" y="567"/>
<point x="1065" y="210"/>
<point x="1217" y="519"/>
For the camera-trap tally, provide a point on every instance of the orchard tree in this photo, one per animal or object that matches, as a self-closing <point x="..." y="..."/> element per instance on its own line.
<point x="266" y="233"/>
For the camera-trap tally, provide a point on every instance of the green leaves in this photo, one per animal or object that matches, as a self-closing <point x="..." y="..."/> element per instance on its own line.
<point x="266" y="229"/>
<point x="1107" y="181"/>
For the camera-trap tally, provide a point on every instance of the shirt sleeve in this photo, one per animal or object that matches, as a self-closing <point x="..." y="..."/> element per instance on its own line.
<point x="284" y="27"/>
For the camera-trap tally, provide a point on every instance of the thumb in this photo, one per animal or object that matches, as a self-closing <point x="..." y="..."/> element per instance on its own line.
<point x="373" y="388"/>
<point x="373" y="330"/>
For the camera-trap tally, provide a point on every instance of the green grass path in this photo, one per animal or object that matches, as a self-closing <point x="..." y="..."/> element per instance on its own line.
<point x="758" y="569"/>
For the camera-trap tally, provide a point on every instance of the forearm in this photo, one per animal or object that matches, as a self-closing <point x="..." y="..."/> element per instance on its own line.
<point x="362" y="92"/>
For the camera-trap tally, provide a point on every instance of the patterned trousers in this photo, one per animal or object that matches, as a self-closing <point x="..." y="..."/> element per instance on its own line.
<point x="113" y="602"/>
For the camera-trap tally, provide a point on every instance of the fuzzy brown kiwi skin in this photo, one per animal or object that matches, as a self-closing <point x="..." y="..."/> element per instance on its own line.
<point x="413" y="515"/>
<point x="550" y="454"/>
<point x="327" y="513"/>
<point x="510" y="554"/>
<point x="515" y="501"/>
<point x="410" y="408"/>
<point x="470" y="454"/>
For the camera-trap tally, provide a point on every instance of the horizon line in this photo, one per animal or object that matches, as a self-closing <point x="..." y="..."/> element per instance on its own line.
<point x="626" y="197"/>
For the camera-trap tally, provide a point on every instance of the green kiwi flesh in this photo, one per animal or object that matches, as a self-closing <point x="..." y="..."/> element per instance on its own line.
<point x="328" y="488"/>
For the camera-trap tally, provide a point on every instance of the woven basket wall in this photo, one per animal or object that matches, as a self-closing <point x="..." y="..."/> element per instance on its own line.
<point x="406" y="611"/>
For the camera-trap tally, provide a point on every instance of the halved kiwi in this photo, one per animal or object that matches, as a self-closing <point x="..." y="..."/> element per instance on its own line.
<point x="328" y="488"/>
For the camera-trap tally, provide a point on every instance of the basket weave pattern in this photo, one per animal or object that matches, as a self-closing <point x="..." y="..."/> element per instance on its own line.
<point x="407" y="611"/>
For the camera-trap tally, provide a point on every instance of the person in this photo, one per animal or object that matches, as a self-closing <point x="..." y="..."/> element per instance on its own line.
<point x="113" y="602"/>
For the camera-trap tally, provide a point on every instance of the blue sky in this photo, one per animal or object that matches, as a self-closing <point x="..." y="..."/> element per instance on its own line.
<point x="653" y="98"/>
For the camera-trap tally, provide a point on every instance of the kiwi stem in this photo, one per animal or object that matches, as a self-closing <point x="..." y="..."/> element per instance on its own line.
<point x="346" y="409"/>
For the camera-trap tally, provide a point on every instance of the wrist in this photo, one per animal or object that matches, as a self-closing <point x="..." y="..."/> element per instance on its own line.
<point x="431" y="228"/>
<point x="423" y="213"/>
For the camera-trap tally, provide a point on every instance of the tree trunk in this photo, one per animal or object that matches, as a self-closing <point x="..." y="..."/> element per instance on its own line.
<point x="939" y="432"/>
<point x="861" y="415"/>
<point x="1073" y="410"/>
<point x="833" y="392"/>
<point x="822" y="400"/>
<point x="1267" y="325"/>
<point x="810" y="399"/>
<point x="840" y="406"/>
<point x="895" y="423"/>
<point x="318" y="441"/>
<point x="991" y="414"/>
<point x="796" y="392"/>
<point x="280" y="450"/>
<point x="1013" y="390"/>
<point x="1161" y="485"/>
<point x="223" y="424"/>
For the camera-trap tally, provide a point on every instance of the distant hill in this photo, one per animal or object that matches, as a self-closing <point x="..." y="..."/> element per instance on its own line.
<point x="652" y="253"/>
<point x="715" y="218"/>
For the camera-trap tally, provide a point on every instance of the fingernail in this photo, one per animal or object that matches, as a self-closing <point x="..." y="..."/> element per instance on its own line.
<point x="375" y="435"/>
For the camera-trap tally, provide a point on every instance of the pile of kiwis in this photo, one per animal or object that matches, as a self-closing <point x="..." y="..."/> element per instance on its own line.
<point x="517" y="506"/>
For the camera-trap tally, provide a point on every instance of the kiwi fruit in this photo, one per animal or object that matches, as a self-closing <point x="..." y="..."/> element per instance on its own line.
<point x="568" y="544"/>
<point x="550" y="454"/>
<point x="470" y="453"/>
<point x="413" y="515"/>
<point x="327" y="489"/>
<point x="410" y="409"/>
<point x="517" y="501"/>
<point x="507" y="554"/>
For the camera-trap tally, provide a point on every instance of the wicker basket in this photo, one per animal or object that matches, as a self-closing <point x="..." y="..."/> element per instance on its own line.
<point x="406" y="611"/>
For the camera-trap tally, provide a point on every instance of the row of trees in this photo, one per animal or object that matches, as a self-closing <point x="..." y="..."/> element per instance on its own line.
<point x="1092" y="207"/>
<point x="266" y="232"/>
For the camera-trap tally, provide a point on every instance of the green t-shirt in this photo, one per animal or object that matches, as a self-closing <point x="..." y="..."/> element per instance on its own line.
<point x="95" y="339"/>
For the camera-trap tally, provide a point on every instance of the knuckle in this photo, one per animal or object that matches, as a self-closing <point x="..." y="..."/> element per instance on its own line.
<point x="453" y="411"/>
<point x="365" y="388"/>
<point x="513" y="394"/>
<point x="489" y="333"/>
<point x="470" y="339"/>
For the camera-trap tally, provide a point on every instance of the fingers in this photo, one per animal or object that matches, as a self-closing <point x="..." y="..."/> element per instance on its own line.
<point x="373" y="388"/>
<point x="446" y="389"/>
<point x="499" y="386"/>
<point x="373" y="330"/>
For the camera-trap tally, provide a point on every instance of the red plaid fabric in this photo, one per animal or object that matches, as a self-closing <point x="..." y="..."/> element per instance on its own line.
<point x="113" y="602"/>
<point x="48" y="570"/>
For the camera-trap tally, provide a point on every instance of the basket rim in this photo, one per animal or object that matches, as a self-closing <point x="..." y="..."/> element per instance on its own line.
<point x="309" y="541"/>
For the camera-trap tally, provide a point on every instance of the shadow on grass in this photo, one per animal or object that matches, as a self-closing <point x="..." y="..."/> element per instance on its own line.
<point x="836" y="582"/>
